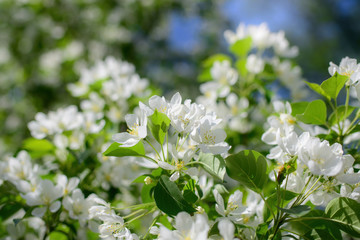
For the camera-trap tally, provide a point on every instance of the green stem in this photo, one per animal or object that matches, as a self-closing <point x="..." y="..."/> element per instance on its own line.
<point x="352" y="126"/>
<point x="278" y="199"/>
<point x="312" y="191"/>
<point x="334" y="107"/>
<point x="138" y="206"/>
<point x="141" y="215"/>
<point x="162" y="150"/>
<point x="286" y="182"/>
<point x="147" y="157"/>
<point x="153" y="148"/>
<point x="347" y="99"/>
<point x="133" y="213"/>
<point x="151" y="225"/>
<point x="187" y="135"/>
<point x="167" y="144"/>
<point x="267" y="205"/>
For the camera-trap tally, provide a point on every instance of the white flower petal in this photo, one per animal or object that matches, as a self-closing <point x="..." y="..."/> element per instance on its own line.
<point x="165" y="165"/>
<point x="175" y="176"/>
<point x="39" y="212"/>
<point x="55" y="206"/>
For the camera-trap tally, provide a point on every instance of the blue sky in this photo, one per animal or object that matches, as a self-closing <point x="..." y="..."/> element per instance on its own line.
<point x="278" y="14"/>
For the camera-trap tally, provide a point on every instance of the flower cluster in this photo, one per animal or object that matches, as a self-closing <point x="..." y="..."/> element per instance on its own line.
<point x="43" y="195"/>
<point x="314" y="158"/>
<point x="348" y="67"/>
<point x="109" y="84"/>
<point x="164" y="171"/>
<point x="263" y="38"/>
<point x="196" y="131"/>
<point x="67" y="127"/>
<point x="233" y="91"/>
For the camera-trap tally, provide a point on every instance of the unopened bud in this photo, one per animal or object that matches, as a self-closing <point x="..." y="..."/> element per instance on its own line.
<point x="200" y="210"/>
<point x="148" y="180"/>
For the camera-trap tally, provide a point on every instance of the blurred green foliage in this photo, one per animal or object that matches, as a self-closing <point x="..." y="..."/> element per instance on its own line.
<point x="45" y="43"/>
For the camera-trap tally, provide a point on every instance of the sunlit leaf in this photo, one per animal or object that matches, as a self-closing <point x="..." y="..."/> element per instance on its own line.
<point x="241" y="47"/>
<point x="334" y="84"/>
<point x="249" y="168"/>
<point x="159" y="124"/>
<point x="169" y="199"/>
<point x="315" y="113"/>
<point x="213" y="164"/>
<point x="116" y="150"/>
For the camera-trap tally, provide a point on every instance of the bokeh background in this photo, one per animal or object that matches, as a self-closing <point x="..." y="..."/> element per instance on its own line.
<point x="45" y="43"/>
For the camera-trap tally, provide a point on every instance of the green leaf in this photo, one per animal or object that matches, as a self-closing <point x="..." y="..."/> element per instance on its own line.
<point x="38" y="145"/>
<point x="262" y="231"/>
<point x="146" y="193"/>
<point x="272" y="201"/>
<point x="297" y="210"/>
<point x="334" y="84"/>
<point x="213" y="164"/>
<point x="241" y="67"/>
<point x="189" y="191"/>
<point x="217" y="57"/>
<point x="317" y="88"/>
<point x="9" y="209"/>
<point x="205" y="75"/>
<point x="345" y="212"/>
<point x="241" y="47"/>
<point x="315" y="113"/>
<point x="116" y="150"/>
<point x="320" y="234"/>
<point x="159" y="124"/>
<point x="249" y="168"/>
<point x="298" y="108"/>
<point x="140" y="179"/>
<point x="315" y="225"/>
<point x="341" y="113"/>
<point x="168" y="198"/>
<point x="55" y="235"/>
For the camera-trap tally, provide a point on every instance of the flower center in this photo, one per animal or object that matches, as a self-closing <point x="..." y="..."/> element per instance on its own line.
<point x="44" y="130"/>
<point x="21" y="174"/>
<point x="115" y="228"/>
<point x="209" y="138"/>
<point x="223" y="80"/>
<point x="234" y="110"/>
<point x="320" y="161"/>
<point x="179" y="165"/>
<point x="134" y="130"/>
<point x="231" y="206"/>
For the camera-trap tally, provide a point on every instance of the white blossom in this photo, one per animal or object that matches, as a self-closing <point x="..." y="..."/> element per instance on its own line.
<point x="255" y="64"/>
<point x="46" y="196"/>
<point x="348" y="67"/>
<point x="210" y="140"/>
<point x="234" y="208"/>
<point x="319" y="156"/>
<point x="137" y="130"/>
<point x="77" y="206"/>
<point x="186" y="228"/>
